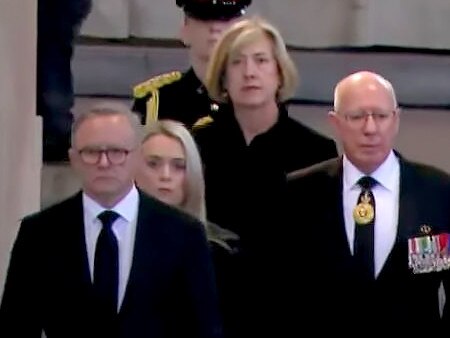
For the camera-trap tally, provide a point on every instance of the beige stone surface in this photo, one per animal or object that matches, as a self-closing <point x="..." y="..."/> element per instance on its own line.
<point x="20" y="129"/>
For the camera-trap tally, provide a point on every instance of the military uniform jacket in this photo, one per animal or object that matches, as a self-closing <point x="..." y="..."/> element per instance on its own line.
<point x="244" y="188"/>
<point x="176" y="96"/>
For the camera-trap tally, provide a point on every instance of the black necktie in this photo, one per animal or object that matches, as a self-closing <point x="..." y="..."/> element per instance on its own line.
<point x="106" y="265"/>
<point x="364" y="229"/>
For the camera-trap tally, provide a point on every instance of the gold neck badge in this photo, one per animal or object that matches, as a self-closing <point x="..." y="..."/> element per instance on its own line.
<point x="363" y="213"/>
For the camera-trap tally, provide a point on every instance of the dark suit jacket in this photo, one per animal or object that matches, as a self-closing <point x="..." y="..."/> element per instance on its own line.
<point x="170" y="291"/>
<point x="319" y="248"/>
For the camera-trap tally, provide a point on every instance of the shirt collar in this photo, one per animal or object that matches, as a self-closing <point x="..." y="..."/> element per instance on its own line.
<point x="126" y="208"/>
<point x="385" y="174"/>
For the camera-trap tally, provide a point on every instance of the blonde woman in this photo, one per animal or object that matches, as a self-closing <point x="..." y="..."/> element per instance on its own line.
<point x="171" y="171"/>
<point x="254" y="140"/>
<point x="247" y="150"/>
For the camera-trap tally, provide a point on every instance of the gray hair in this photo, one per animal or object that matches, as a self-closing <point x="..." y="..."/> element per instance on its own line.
<point x="363" y="76"/>
<point x="107" y="108"/>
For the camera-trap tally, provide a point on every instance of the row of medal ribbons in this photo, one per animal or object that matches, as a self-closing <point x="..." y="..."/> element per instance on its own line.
<point x="429" y="253"/>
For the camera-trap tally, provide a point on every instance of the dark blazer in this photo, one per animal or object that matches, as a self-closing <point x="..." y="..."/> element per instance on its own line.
<point x="170" y="291"/>
<point x="318" y="244"/>
<point x="251" y="175"/>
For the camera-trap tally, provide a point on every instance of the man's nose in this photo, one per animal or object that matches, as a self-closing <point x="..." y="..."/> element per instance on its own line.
<point x="103" y="160"/>
<point x="370" y="125"/>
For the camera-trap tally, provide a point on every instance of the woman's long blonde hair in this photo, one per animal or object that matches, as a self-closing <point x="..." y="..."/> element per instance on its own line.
<point x="194" y="201"/>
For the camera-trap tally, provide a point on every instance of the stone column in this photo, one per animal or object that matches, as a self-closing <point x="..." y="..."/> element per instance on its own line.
<point x="20" y="128"/>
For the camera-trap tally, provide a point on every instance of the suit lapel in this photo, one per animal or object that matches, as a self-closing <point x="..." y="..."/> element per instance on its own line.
<point x="145" y="247"/>
<point x="75" y="224"/>
<point x="337" y="215"/>
<point x="407" y="219"/>
<point x="72" y="260"/>
<point x="407" y="216"/>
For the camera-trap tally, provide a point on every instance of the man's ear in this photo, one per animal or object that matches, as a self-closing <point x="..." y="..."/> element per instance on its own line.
<point x="184" y="32"/>
<point x="331" y="116"/>
<point x="397" y="119"/>
<point x="71" y="152"/>
<point x="333" y="120"/>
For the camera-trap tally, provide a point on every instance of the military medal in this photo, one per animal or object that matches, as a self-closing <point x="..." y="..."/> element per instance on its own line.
<point x="363" y="212"/>
<point x="429" y="253"/>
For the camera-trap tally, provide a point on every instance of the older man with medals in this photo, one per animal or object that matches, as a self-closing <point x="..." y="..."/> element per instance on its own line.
<point x="384" y="234"/>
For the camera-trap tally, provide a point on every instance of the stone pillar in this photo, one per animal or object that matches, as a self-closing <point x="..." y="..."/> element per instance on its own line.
<point x="20" y="128"/>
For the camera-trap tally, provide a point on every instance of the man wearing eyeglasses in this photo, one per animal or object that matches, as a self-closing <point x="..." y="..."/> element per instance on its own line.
<point x="109" y="261"/>
<point x="380" y="223"/>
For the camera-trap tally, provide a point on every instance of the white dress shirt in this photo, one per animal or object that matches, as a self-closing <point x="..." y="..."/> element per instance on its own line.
<point x="124" y="228"/>
<point x="386" y="194"/>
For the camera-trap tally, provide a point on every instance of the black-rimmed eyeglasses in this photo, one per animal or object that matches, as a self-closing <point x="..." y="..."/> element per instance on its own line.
<point x="94" y="155"/>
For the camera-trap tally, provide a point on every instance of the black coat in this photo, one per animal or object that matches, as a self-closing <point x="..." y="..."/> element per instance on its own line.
<point x="398" y="300"/>
<point x="170" y="290"/>
<point x="244" y="193"/>
<point x="243" y="180"/>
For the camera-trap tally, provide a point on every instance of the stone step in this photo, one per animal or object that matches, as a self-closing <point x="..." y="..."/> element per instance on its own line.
<point x="421" y="78"/>
<point x="423" y="137"/>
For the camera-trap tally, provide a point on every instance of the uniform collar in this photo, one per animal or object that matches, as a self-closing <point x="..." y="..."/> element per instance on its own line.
<point x="192" y="78"/>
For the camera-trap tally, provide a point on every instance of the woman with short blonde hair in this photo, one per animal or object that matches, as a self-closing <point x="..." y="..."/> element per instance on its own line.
<point x="247" y="149"/>
<point x="242" y="34"/>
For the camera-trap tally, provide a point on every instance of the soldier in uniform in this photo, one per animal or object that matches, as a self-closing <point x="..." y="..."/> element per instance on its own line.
<point x="182" y="96"/>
